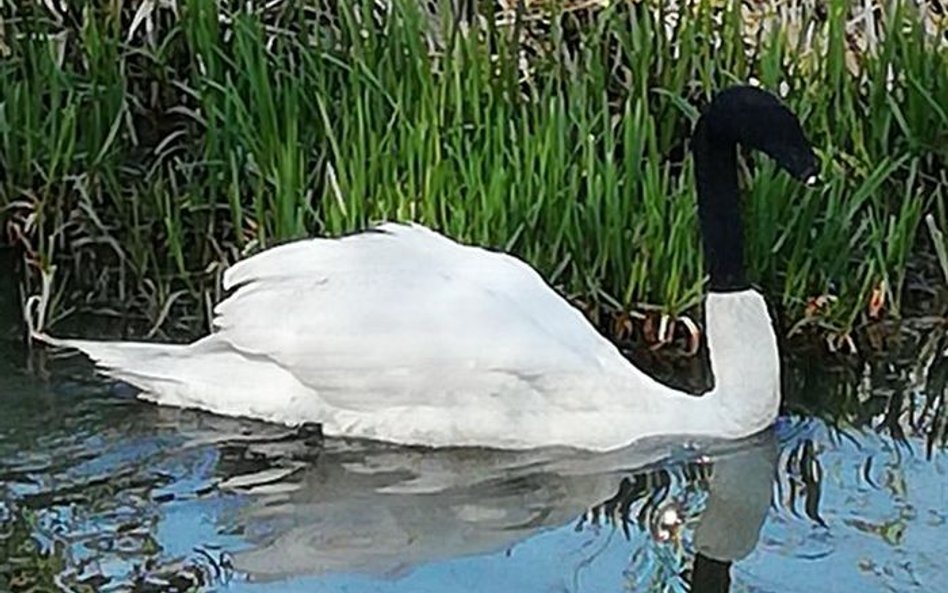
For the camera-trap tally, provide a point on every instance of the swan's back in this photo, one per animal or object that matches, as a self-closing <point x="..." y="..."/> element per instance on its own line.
<point x="401" y="314"/>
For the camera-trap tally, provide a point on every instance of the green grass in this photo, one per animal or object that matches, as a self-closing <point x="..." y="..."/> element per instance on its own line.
<point x="138" y="167"/>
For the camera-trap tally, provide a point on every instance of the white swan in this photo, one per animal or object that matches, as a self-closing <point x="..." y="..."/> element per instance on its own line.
<point x="401" y="334"/>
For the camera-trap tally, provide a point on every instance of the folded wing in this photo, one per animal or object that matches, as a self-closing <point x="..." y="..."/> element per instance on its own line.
<point x="402" y="316"/>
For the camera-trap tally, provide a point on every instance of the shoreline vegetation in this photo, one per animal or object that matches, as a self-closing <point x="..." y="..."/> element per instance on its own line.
<point x="146" y="146"/>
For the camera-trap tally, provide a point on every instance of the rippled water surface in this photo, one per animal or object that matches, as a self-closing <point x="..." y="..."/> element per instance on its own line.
<point x="101" y="492"/>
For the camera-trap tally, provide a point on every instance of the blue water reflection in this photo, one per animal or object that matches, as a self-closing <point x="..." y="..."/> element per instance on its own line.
<point x="129" y="496"/>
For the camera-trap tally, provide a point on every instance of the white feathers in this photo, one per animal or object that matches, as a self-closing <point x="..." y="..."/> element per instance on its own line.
<point x="401" y="334"/>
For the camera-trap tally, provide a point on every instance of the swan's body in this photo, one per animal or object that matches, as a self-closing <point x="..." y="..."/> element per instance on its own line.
<point x="401" y="334"/>
<point x="405" y="335"/>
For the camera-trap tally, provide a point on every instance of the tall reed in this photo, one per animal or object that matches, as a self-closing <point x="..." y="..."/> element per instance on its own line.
<point x="140" y="160"/>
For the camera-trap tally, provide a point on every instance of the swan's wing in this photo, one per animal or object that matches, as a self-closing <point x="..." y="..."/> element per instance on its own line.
<point x="401" y="314"/>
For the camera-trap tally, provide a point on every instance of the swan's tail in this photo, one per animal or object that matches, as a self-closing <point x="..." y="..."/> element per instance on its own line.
<point x="142" y="365"/>
<point x="135" y="363"/>
<point x="208" y="374"/>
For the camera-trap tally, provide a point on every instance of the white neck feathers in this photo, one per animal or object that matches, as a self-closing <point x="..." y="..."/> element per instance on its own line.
<point x="745" y="362"/>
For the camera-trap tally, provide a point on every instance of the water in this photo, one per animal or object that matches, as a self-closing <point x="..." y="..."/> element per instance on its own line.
<point x="101" y="492"/>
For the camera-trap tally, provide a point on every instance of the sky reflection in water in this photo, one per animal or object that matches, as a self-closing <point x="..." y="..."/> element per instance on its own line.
<point x="127" y="493"/>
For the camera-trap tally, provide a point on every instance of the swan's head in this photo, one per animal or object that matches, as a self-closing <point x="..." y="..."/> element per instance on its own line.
<point x="757" y="119"/>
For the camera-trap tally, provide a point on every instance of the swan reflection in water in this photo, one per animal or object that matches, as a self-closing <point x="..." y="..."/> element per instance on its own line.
<point x="378" y="510"/>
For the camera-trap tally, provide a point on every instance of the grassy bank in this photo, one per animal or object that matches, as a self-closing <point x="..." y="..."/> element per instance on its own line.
<point x="144" y="151"/>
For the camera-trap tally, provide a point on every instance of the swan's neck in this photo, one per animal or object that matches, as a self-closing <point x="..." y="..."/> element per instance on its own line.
<point x="741" y="340"/>
<point x="744" y="361"/>
<point x="719" y="209"/>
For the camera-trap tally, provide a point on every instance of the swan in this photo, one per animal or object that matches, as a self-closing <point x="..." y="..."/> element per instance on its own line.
<point x="400" y="334"/>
